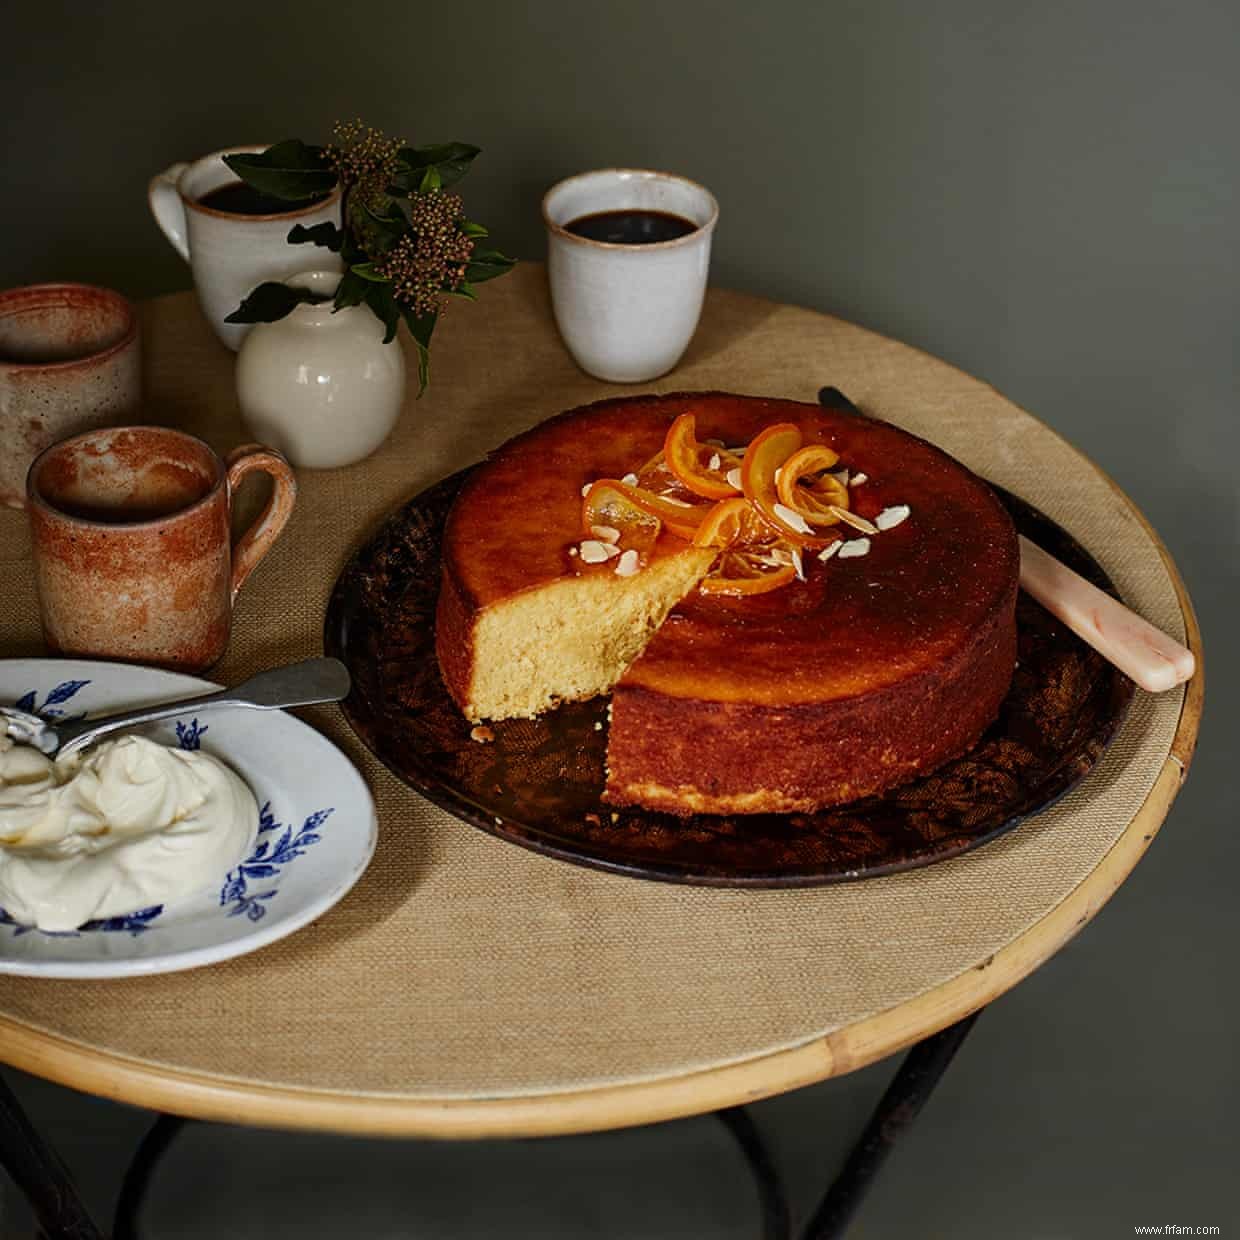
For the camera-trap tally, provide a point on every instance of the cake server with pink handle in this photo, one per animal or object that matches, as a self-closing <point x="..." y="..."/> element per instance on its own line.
<point x="1155" y="661"/>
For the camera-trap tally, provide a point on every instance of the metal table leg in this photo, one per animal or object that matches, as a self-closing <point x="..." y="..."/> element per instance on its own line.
<point x="897" y="1109"/>
<point x="137" y="1180"/>
<point x="776" y="1218"/>
<point x="37" y="1170"/>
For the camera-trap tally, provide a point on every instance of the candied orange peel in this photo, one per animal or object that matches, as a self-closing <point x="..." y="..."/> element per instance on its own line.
<point x="699" y="467"/>
<point x="787" y="501"/>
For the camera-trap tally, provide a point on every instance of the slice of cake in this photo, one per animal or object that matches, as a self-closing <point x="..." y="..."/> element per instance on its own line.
<point x="826" y="663"/>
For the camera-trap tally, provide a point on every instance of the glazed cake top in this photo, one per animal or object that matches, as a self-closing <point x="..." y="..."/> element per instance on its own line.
<point x="855" y="625"/>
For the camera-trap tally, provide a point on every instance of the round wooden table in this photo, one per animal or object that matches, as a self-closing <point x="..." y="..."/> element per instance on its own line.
<point x="466" y="988"/>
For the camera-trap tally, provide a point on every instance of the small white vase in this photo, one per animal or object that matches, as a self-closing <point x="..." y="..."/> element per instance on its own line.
<point x="318" y="385"/>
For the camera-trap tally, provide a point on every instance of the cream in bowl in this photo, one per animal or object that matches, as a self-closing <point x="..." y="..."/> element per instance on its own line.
<point x="124" y="826"/>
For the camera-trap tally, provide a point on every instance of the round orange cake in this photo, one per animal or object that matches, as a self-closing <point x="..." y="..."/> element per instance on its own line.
<point x="878" y="666"/>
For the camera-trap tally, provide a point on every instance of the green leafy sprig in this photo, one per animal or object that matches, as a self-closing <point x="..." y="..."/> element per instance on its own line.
<point x="405" y="244"/>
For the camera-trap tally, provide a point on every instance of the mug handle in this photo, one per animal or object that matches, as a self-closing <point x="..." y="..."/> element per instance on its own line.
<point x="257" y="540"/>
<point x="166" y="206"/>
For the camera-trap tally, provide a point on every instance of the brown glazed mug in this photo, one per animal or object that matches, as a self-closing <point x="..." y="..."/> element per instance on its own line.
<point x="133" y="556"/>
<point x="69" y="361"/>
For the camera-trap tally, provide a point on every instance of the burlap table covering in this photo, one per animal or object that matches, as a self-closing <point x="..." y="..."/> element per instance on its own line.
<point x="461" y="967"/>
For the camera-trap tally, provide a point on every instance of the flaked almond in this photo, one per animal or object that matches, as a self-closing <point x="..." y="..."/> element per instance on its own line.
<point x="612" y="550"/>
<point x="680" y="503"/>
<point x="593" y="551"/>
<point x="858" y="479"/>
<point x="828" y="551"/>
<point x="585" y="490"/>
<point x="854" y="547"/>
<point x="715" y="461"/>
<point x="627" y="564"/>
<point x="629" y="480"/>
<point x="792" y="519"/>
<point x="851" y="518"/>
<point x="605" y="533"/>
<point x="734" y="478"/>
<point x="598" y="726"/>
<point x="889" y="518"/>
<point x="840" y="475"/>
<point x="796" y="563"/>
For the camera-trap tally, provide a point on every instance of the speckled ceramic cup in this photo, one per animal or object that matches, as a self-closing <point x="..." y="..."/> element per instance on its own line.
<point x="133" y="557"/>
<point x="69" y="361"/>
<point x="626" y="313"/>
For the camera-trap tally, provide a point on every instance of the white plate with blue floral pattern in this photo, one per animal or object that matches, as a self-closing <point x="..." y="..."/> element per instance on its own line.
<point x="317" y="828"/>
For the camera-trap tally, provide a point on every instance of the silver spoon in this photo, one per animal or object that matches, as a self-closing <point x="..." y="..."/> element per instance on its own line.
<point x="298" y="684"/>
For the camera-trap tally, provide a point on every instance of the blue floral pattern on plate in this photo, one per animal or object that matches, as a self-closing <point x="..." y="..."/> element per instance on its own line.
<point x="265" y="862"/>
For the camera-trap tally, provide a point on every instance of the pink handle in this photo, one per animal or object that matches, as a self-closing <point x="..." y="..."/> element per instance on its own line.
<point x="1154" y="660"/>
<point x="257" y="540"/>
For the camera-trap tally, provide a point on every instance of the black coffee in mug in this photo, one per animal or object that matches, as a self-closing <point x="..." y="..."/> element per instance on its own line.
<point x="238" y="198"/>
<point x="631" y="227"/>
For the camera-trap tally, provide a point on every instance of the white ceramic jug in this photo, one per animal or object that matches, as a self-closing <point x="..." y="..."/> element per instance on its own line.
<point x="320" y="385"/>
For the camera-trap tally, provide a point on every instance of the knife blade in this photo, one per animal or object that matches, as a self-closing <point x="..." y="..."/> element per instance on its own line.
<point x="1156" y="661"/>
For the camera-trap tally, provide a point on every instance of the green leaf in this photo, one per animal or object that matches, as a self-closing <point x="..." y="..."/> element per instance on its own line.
<point x="464" y="289"/>
<point x="324" y="234"/>
<point x="487" y="265"/>
<point x="380" y="299"/>
<point x="451" y="161"/>
<point x="391" y="223"/>
<point x="290" y="170"/>
<point x="431" y="181"/>
<point x="269" y="302"/>
<point x="367" y="272"/>
<point x="470" y="229"/>
<point x="421" y="328"/>
<point x="351" y="291"/>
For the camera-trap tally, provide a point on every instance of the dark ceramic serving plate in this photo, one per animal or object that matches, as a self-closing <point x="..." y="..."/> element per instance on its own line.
<point x="539" y="782"/>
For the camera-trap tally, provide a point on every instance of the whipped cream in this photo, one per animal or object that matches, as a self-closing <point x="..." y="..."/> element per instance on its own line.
<point x="122" y="827"/>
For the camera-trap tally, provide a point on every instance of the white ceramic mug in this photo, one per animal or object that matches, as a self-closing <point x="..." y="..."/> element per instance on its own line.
<point x="231" y="254"/>
<point x="627" y="312"/>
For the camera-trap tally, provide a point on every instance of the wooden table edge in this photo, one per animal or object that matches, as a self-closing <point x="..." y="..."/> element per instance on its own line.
<point x="629" y="1103"/>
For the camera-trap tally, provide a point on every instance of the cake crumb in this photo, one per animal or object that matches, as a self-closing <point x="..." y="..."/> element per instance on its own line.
<point x="598" y="727"/>
<point x="481" y="734"/>
<point x="499" y="822"/>
<point x="594" y="820"/>
<point x="615" y="817"/>
<point x="855" y="547"/>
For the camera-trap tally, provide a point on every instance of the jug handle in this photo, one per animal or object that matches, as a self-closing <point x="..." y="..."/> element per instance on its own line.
<point x="168" y="209"/>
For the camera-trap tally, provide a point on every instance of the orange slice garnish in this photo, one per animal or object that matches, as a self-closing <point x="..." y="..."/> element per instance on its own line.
<point x="743" y="572"/>
<point x="700" y="467"/>
<point x="765" y="455"/>
<point x="805" y="487"/>
<point x="749" y="562"/>
<point x="732" y="522"/>
<point x="621" y="506"/>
